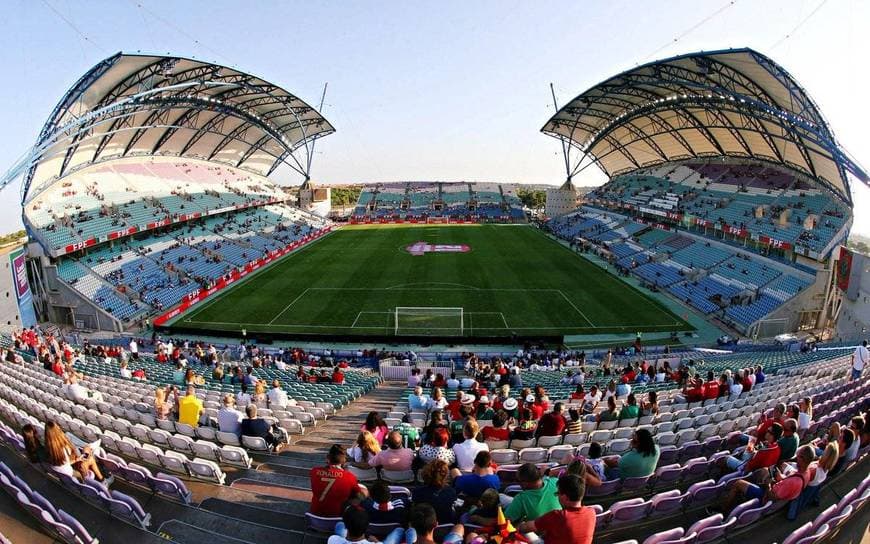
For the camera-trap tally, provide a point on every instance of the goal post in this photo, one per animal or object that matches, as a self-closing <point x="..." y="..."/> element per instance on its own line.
<point x="429" y="321"/>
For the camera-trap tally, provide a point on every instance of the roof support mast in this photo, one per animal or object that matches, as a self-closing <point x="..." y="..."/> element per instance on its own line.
<point x="311" y="148"/>
<point x="566" y="147"/>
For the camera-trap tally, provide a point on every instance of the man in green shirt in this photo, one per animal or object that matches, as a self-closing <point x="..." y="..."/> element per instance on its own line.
<point x="789" y="442"/>
<point x="537" y="497"/>
<point x="410" y="433"/>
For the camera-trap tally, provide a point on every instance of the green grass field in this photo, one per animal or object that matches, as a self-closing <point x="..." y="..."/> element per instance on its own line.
<point x="512" y="280"/>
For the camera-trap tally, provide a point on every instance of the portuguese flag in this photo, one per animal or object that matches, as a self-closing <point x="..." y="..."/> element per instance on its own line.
<point x="844" y="269"/>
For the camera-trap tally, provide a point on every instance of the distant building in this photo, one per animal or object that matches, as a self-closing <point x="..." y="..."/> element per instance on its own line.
<point x="317" y="200"/>
<point x="562" y="200"/>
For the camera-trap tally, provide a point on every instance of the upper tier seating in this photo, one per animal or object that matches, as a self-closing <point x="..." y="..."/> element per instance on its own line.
<point x="117" y="195"/>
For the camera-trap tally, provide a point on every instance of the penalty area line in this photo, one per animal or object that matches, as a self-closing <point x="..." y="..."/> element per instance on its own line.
<point x="288" y="307"/>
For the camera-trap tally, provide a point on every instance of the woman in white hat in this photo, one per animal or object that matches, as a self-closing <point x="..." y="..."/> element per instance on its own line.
<point x="510" y="407"/>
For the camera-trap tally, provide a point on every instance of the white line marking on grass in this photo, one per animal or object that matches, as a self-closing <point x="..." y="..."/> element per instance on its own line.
<point x="568" y="300"/>
<point x="288" y="307"/>
<point x="505" y="320"/>
<point x="424" y="284"/>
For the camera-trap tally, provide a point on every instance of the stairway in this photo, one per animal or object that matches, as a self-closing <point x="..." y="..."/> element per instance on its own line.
<point x="343" y="428"/>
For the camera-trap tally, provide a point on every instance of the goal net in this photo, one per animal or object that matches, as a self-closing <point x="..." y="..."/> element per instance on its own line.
<point x="429" y="321"/>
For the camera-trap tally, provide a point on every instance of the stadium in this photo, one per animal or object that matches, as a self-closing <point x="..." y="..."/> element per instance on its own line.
<point x="217" y="359"/>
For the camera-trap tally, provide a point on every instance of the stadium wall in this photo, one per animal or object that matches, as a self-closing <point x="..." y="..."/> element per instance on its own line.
<point x="66" y="306"/>
<point x="16" y="302"/>
<point x="854" y="308"/>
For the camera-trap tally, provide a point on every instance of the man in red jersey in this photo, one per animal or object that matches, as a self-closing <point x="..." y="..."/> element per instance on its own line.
<point x="574" y="523"/>
<point x="332" y="485"/>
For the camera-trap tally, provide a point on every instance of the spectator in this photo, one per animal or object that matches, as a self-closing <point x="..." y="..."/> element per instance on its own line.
<point x="498" y="430"/>
<point x="437" y="402"/>
<point x="485" y="513"/>
<point x="482" y="477"/>
<point x="637" y="462"/>
<point x="575" y="424"/>
<point x="484" y="410"/>
<point x="629" y="409"/>
<point x="417" y="400"/>
<point x="409" y="432"/>
<point x="74" y="389"/>
<point x="857" y="424"/>
<point x="395" y="457"/>
<point x="435" y="491"/>
<point x="752" y="458"/>
<point x="64" y="458"/>
<point x="124" y="371"/>
<point x="826" y="464"/>
<point x="789" y="442"/>
<point x="456" y="425"/>
<point x="437" y="448"/>
<point x="764" y="423"/>
<point x="365" y="448"/>
<point x="382" y="508"/>
<point x="623" y="388"/>
<point x="332" y="485"/>
<point x="572" y="522"/>
<point x="190" y="408"/>
<point x="162" y="407"/>
<point x="259" y="396"/>
<point x="785" y="486"/>
<point x="436" y="420"/>
<point x="711" y="387"/>
<point x="243" y="397"/>
<point x="805" y="415"/>
<point x="510" y="406"/>
<point x="259" y="427"/>
<point x="452" y="382"/>
<point x="454" y="405"/>
<point x="32" y="447"/>
<point x="467" y="450"/>
<point x="859" y="359"/>
<point x="277" y="397"/>
<point x="848" y="452"/>
<point x="352" y="528"/>
<point x="611" y="413"/>
<point x="414" y="378"/>
<point x="424" y="519"/>
<point x="595" y="462"/>
<point x="833" y="435"/>
<point x="230" y="419"/>
<point x="579" y="393"/>
<point x="651" y="406"/>
<point x="552" y="423"/>
<point x="375" y="425"/>
<point x="525" y="429"/>
<point x="337" y="376"/>
<point x="759" y="375"/>
<point x="537" y="497"/>
<point x="178" y="374"/>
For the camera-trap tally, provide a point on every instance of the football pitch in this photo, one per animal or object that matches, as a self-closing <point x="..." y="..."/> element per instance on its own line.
<point x="450" y="281"/>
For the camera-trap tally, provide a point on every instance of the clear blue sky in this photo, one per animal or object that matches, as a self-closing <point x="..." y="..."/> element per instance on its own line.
<point x="443" y="90"/>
